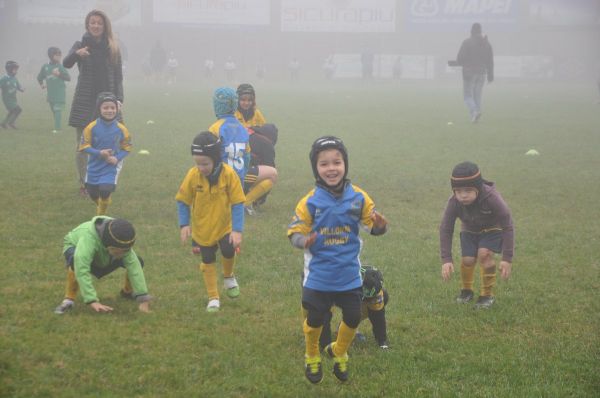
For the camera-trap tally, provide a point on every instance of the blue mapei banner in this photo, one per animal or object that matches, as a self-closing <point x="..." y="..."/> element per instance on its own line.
<point x="459" y="15"/>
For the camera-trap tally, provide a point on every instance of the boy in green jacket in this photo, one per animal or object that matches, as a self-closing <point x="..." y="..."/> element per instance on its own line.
<point x="98" y="247"/>
<point x="52" y="77"/>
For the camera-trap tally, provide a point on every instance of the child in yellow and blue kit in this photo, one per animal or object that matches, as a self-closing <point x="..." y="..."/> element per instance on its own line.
<point x="106" y="141"/>
<point x="234" y="137"/>
<point x="326" y="226"/>
<point x="210" y="204"/>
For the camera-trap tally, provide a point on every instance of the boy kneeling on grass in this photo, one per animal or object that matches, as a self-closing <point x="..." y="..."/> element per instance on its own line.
<point x="98" y="247"/>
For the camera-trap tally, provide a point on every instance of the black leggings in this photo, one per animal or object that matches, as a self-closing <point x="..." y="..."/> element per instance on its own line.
<point x="209" y="253"/>
<point x="318" y="305"/>
<point x="100" y="191"/>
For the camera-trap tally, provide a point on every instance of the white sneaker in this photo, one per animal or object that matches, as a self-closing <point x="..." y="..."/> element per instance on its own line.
<point x="213" y="305"/>
<point x="231" y="286"/>
<point x="65" y="306"/>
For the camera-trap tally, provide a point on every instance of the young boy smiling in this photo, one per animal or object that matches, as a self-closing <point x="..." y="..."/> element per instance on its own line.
<point x="487" y="228"/>
<point x="326" y="226"/>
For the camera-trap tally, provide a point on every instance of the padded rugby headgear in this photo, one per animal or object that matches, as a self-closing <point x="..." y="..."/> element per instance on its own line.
<point x="207" y="144"/>
<point x="466" y="175"/>
<point x="372" y="281"/>
<point x="268" y="130"/>
<point x="118" y="233"/>
<point x="245" y="88"/>
<point x="225" y="101"/>
<point x="321" y="144"/>
<point x="106" y="96"/>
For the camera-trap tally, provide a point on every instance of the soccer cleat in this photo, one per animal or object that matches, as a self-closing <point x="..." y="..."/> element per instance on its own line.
<point x="313" y="370"/>
<point x="126" y="295"/>
<point x="55" y="131"/>
<point x="340" y="366"/>
<point x="465" y="296"/>
<point x="233" y="290"/>
<point x="384" y="345"/>
<point x="484" y="302"/>
<point x="213" y="305"/>
<point x="65" y="306"/>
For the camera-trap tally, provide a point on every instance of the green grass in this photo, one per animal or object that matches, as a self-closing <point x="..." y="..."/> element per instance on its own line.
<point x="540" y="339"/>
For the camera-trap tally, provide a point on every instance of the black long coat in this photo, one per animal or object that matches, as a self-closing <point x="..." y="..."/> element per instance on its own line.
<point x="83" y="108"/>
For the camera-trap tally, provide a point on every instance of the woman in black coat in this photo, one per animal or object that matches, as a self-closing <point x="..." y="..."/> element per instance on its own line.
<point x="98" y="59"/>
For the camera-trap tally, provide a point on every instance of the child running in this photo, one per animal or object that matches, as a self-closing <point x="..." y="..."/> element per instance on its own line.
<point x="9" y="86"/>
<point x="247" y="112"/>
<point x="107" y="142"/>
<point x="210" y="204"/>
<point x="326" y="226"/>
<point x="52" y="77"/>
<point x="487" y="228"/>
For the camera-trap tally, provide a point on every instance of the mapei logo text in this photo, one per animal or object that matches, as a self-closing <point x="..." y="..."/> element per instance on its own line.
<point x="431" y="8"/>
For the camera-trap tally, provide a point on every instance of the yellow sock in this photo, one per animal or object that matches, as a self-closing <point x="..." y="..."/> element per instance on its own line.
<point x="311" y="338"/>
<point x="72" y="286"/>
<point x="467" y="274"/>
<point x="344" y="339"/>
<point x="488" y="281"/>
<point x="102" y="206"/>
<point x="209" y="273"/>
<point x="228" y="266"/>
<point x="258" y="190"/>
<point x="127" y="285"/>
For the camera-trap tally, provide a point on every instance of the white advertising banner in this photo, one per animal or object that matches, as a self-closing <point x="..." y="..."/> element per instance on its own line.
<point x="213" y="12"/>
<point x="120" y="12"/>
<point x="338" y="16"/>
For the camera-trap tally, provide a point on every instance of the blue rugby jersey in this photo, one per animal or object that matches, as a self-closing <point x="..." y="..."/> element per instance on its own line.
<point x="332" y="263"/>
<point x="100" y="135"/>
<point x="235" y="150"/>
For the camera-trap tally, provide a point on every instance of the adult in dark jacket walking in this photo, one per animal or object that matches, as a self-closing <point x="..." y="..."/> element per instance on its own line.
<point x="477" y="60"/>
<point x="98" y="59"/>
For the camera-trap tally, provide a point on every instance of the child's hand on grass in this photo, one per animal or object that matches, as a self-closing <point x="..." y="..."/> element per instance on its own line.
<point x="99" y="307"/>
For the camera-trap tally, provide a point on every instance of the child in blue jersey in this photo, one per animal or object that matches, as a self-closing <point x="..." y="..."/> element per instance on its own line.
<point x="235" y="150"/>
<point x="107" y="142"/>
<point x="326" y="226"/>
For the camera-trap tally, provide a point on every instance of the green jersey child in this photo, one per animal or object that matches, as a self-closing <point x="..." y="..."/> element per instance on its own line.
<point x="9" y="86"/>
<point x="52" y="77"/>
<point x="97" y="248"/>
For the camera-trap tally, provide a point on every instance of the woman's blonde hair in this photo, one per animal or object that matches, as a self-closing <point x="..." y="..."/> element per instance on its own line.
<point x="113" y="46"/>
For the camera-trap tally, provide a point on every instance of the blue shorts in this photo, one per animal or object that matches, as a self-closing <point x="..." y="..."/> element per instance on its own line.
<point x="470" y="242"/>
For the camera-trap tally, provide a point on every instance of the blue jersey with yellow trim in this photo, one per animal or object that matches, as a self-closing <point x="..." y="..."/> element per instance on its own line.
<point x="99" y="135"/>
<point x="332" y="263"/>
<point x="235" y="150"/>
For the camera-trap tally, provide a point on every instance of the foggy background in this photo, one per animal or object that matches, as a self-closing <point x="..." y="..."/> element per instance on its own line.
<point x="532" y="39"/>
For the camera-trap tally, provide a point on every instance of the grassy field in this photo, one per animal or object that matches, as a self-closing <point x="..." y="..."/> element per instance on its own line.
<point x="540" y="340"/>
